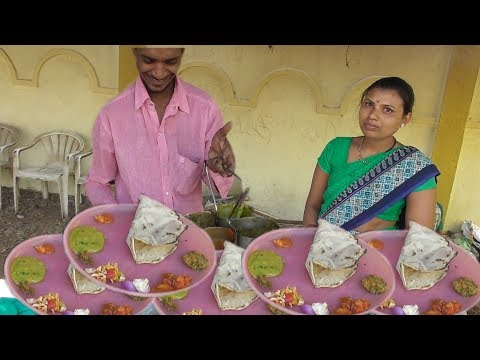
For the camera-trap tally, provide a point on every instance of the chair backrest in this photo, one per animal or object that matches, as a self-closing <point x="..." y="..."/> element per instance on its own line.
<point x="8" y="137"/>
<point x="60" y="144"/>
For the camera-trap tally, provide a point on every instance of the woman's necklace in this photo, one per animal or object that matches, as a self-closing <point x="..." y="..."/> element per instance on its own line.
<point x="360" y="146"/>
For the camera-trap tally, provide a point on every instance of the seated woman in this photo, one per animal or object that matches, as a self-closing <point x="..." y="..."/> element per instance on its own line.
<point x="363" y="183"/>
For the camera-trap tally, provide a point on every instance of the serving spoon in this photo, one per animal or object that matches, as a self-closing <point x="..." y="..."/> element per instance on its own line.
<point x="240" y="199"/>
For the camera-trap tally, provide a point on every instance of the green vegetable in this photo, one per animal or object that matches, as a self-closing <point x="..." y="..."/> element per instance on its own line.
<point x="243" y="210"/>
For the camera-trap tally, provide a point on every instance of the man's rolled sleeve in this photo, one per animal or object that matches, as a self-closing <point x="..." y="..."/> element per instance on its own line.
<point x="104" y="166"/>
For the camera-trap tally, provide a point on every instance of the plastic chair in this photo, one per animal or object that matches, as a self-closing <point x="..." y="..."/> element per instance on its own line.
<point x="79" y="178"/>
<point x="8" y="138"/>
<point x="60" y="147"/>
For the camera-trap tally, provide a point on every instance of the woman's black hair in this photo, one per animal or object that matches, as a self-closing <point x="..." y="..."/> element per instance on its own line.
<point x="404" y="90"/>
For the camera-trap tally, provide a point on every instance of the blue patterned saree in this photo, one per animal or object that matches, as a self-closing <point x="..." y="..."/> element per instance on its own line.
<point x="384" y="184"/>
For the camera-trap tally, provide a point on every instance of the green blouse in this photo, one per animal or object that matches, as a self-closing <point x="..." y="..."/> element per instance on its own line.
<point x="333" y="160"/>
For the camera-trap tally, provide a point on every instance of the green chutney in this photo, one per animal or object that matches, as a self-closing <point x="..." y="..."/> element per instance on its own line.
<point x="27" y="269"/>
<point x="265" y="263"/>
<point x="86" y="239"/>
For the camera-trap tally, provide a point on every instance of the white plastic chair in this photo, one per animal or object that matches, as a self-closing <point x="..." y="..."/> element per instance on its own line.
<point x="79" y="178"/>
<point x="60" y="147"/>
<point x="8" y="138"/>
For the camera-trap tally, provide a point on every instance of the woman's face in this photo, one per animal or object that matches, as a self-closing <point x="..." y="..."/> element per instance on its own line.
<point x="381" y="113"/>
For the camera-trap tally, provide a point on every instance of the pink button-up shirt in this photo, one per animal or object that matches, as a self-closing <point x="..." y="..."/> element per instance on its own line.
<point x="163" y="161"/>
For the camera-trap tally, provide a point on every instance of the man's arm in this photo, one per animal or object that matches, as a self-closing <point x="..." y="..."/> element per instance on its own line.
<point x="104" y="164"/>
<point x="220" y="183"/>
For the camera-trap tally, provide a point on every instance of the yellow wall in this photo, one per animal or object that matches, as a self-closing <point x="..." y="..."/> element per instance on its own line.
<point x="44" y="88"/>
<point x="465" y="195"/>
<point x="456" y="104"/>
<point x="127" y="67"/>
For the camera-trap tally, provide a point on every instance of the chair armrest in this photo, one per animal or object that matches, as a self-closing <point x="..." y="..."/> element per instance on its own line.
<point x="16" y="153"/>
<point x="3" y="153"/>
<point x="6" y="146"/>
<point x="78" y="160"/>
<point x="79" y="157"/>
<point x="70" y="159"/>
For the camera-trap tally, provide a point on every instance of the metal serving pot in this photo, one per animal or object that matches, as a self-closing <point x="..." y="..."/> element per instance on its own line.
<point x="204" y="219"/>
<point x="249" y="228"/>
<point x="221" y="234"/>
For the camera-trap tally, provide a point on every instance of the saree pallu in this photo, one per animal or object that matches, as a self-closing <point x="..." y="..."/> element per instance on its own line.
<point x="391" y="180"/>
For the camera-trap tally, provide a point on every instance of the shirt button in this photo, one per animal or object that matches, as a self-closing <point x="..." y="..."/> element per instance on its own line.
<point x="174" y="108"/>
<point x="150" y="103"/>
<point x="164" y="163"/>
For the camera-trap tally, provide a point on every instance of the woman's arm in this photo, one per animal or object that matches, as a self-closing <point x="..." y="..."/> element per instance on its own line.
<point x="315" y="197"/>
<point x="421" y="207"/>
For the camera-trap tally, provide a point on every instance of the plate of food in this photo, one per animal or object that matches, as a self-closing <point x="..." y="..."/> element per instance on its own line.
<point x="224" y="292"/>
<point x="139" y="250"/>
<point x="322" y="271"/>
<point x="38" y="273"/>
<point x="433" y="275"/>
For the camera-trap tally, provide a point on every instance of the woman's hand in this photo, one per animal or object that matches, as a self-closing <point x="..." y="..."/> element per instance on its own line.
<point x="221" y="159"/>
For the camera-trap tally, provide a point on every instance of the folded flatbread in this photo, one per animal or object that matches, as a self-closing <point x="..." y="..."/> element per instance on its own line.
<point x="424" y="258"/>
<point x="155" y="231"/>
<point x="81" y="284"/>
<point x="229" y="286"/>
<point x="333" y="255"/>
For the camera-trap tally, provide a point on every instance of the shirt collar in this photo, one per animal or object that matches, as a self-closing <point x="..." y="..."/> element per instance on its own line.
<point x="179" y="96"/>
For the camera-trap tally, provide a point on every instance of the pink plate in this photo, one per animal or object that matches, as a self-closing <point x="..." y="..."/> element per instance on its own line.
<point x="464" y="264"/>
<point x="202" y="298"/>
<point x="57" y="280"/>
<point x="117" y="250"/>
<point x="295" y="272"/>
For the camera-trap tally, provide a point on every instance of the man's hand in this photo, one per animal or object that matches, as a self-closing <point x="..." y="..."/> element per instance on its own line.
<point x="220" y="156"/>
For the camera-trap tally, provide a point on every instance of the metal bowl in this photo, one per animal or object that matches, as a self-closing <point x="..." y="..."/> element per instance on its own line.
<point x="249" y="228"/>
<point x="204" y="219"/>
<point x="221" y="234"/>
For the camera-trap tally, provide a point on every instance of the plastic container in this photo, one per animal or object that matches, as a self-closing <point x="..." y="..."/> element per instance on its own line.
<point x="117" y="251"/>
<point x="295" y="273"/>
<point x="203" y="298"/>
<point x="57" y="281"/>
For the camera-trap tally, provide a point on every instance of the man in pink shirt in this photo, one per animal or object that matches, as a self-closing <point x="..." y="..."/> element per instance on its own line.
<point x="155" y="137"/>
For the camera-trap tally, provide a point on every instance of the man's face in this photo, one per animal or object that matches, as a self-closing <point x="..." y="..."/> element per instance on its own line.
<point x="158" y="66"/>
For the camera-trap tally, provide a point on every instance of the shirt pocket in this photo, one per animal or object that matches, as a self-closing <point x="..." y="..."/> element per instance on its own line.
<point x="187" y="174"/>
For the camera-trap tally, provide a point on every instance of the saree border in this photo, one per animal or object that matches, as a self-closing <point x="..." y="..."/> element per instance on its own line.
<point x="387" y="164"/>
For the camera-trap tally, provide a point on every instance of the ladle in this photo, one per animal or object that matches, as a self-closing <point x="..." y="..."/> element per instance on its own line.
<point x="240" y="199"/>
<point x="227" y="221"/>
<point x="211" y="192"/>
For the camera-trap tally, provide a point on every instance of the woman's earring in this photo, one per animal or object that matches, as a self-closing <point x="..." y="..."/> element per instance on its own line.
<point x="403" y="125"/>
